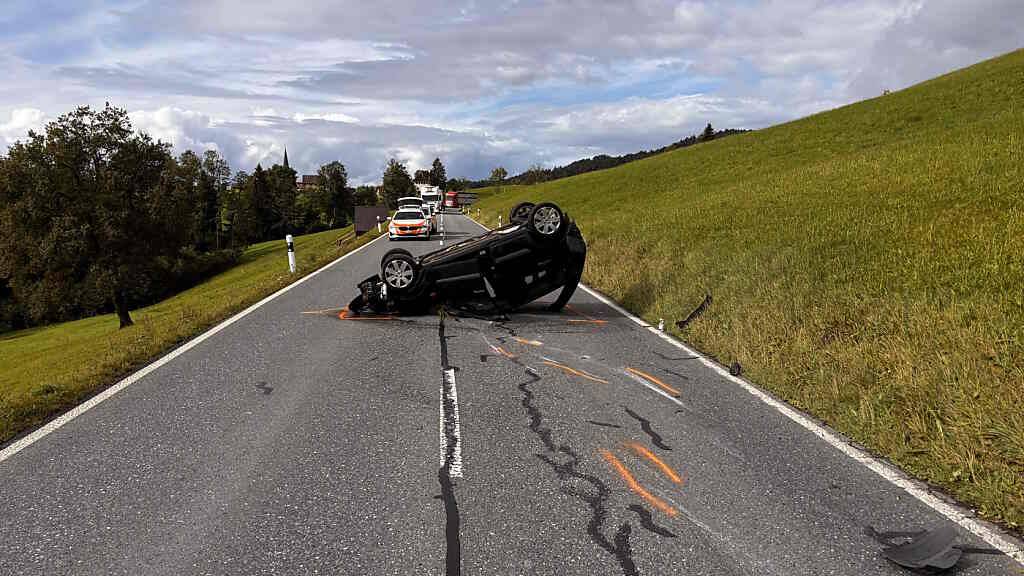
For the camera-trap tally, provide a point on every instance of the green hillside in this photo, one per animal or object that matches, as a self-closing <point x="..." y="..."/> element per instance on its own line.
<point x="866" y="264"/>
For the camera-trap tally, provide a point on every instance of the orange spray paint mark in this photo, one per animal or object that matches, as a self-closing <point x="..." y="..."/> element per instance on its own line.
<point x="665" y="468"/>
<point x="588" y="321"/>
<point x="575" y="372"/>
<point x="345" y="314"/>
<point x="635" y="486"/>
<point x="502" y="351"/>
<point x="654" y="381"/>
<point x="528" y="342"/>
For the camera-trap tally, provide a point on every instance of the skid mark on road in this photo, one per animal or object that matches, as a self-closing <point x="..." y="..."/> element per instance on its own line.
<point x="645" y="425"/>
<point x="665" y="468"/>
<point x="647" y="521"/>
<point x="635" y="486"/>
<point x="596" y="499"/>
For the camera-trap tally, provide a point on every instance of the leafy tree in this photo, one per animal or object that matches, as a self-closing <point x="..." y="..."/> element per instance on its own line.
<point x="334" y="183"/>
<point x="366" y="196"/>
<point x="422" y="177"/>
<point x="283" y="190"/>
<point x="216" y="176"/>
<point x="437" y="175"/>
<point x="458" y="184"/>
<point x="397" y="183"/>
<point x="237" y="217"/>
<point x="85" y="211"/>
<point x="533" y="174"/>
<point x="263" y="205"/>
<point x="499" y="174"/>
<point x="708" y="134"/>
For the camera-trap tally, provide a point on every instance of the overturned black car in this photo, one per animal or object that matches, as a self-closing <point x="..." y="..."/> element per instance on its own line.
<point x="538" y="252"/>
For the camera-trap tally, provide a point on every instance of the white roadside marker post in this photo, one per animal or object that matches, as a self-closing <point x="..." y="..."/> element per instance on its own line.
<point x="291" y="253"/>
<point x="499" y="220"/>
<point x="378" y="224"/>
<point x="661" y="324"/>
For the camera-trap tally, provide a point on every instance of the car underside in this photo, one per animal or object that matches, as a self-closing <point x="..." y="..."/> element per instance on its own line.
<point x="538" y="252"/>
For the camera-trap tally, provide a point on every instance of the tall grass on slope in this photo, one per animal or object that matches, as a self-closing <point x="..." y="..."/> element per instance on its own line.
<point x="46" y="370"/>
<point x="867" y="264"/>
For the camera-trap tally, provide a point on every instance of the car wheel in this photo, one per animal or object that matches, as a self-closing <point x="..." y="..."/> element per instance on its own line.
<point x="399" y="270"/>
<point x="520" y="212"/>
<point x="546" y="221"/>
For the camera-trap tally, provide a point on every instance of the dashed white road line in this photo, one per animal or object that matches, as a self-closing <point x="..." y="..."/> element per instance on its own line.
<point x="91" y="403"/>
<point x="955" y="513"/>
<point x="455" y="465"/>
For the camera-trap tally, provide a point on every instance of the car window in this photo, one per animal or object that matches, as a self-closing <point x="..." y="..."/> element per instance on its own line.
<point x="409" y="216"/>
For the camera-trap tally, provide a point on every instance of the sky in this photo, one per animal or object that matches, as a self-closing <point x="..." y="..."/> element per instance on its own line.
<point x="479" y="84"/>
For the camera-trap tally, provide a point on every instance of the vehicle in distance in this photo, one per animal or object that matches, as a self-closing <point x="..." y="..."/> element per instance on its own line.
<point x="419" y="204"/>
<point x="431" y="195"/>
<point x="538" y="252"/>
<point x="451" y="201"/>
<point x="409" y="222"/>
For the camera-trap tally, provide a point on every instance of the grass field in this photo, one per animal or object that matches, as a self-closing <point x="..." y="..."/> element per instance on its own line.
<point x="866" y="264"/>
<point x="44" y="371"/>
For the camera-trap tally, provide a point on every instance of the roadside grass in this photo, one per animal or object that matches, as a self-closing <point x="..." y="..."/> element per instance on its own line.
<point x="866" y="264"/>
<point x="47" y="370"/>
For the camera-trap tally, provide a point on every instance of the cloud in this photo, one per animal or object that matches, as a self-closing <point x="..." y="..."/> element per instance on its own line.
<point x="477" y="83"/>
<point x="21" y="121"/>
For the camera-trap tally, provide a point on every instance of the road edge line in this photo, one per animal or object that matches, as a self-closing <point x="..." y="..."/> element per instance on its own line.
<point x="59" y="421"/>
<point x="990" y="533"/>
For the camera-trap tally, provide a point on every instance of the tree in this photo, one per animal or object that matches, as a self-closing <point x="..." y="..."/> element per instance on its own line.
<point x="458" y="184"/>
<point x="366" y="196"/>
<point x="397" y="183"/>
<point x="85" y="210"/>
<point x="422" y="177"/>
<point x="283" y="190"/>
<point x="263" y="206"/>
<point x="499" y="174"/>
<point x="437" y="175"/>
<point x="216" y="175"/>
<point x="533" y="174"/>
<point x="708" y="134"/>
<point x="334" y="182"/>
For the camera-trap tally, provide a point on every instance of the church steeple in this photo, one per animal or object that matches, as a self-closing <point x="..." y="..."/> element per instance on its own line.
<point x="286" y="157"/>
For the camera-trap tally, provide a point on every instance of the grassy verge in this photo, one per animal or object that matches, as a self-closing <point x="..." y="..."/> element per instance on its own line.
<point x="46" y="370"/>
<point x="866" y="264"/>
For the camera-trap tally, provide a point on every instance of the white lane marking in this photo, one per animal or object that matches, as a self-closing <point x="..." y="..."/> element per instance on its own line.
<point x="655" y="388"/>
<point x="455" y="465"/>
<point x="979" y="528"/>
<point x="91" y="403"/>
<point x="989" y="533"/>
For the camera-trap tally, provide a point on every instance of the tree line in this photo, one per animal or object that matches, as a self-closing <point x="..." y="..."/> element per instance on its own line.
<point x="97" y="217"/>
<point x="537" y="173"/>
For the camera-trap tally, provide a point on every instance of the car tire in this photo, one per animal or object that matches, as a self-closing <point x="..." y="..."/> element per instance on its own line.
<point x="399" y="270"/>
<point x="520" y="212"/>
<point x="546" y="222"/>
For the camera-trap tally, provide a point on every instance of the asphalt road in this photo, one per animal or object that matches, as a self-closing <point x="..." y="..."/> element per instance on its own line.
<point x="297" y="442"/>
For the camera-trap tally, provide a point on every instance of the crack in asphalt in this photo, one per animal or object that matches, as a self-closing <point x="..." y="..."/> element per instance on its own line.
<point x="645" y="425"/>
<point x="453" y="520"/>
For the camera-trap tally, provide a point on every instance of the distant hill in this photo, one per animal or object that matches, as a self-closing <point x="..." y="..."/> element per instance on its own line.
<point x="865" y="263"/>
<point x="599" y="162"/>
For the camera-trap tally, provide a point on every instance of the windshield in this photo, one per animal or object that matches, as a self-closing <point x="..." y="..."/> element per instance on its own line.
<point x="408" y="215"/>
